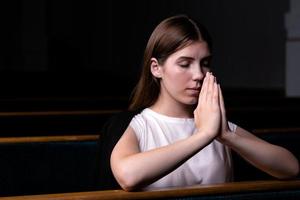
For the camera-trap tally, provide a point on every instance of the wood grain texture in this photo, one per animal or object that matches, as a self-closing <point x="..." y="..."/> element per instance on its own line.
<point x="199" y="190"/>
<point x="66" y="138"/>
<point x="58" y="113"/>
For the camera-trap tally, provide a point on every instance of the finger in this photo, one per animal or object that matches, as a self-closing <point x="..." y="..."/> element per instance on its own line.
<point x="221" y="100"/>
<point x="215" y="96"/>
<point x="210" y="88"/>
<point x="203" y="92"/>
<point x="222" y="105"/>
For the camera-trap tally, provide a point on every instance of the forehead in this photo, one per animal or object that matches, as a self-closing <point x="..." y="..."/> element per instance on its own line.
<point x="196" y="50"/>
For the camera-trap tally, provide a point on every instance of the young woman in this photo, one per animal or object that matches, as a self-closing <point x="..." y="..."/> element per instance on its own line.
<point x="182" y="136"/>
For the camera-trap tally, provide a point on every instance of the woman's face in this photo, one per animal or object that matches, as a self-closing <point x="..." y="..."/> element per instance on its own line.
<point x="183" y="72"/>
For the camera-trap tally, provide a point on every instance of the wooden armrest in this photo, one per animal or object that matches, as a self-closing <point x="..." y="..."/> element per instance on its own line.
<point x="199" y="190"/>
<point x="295" y="130"/>
<point x="57" y="113"/>
<point x="30" y="139"/>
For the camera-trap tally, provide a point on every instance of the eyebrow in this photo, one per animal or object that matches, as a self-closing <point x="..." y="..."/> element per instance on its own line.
<point x="185" y="58"/>
<point x="191" y="58"/>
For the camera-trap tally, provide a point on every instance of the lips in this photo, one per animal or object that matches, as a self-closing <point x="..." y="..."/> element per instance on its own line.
<point x="196" y="88"/>
<point x="193" y="91"/>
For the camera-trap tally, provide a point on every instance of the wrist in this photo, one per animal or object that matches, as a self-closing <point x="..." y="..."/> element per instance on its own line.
<point x="205" y="135"/>
<point x="227" y="138"/>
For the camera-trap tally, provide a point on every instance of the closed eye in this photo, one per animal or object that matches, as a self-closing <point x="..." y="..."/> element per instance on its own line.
<point x="206" y="62"/>
<point x="185" y="63"/>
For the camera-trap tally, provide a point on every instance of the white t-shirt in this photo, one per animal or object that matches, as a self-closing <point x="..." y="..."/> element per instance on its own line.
<point x="210" y="165"/>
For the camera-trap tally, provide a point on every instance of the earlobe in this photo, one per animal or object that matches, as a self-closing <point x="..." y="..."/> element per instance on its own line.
<point x="155" y="68"/>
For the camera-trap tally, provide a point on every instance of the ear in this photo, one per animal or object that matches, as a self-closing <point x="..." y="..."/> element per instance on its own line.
<point x="155" y="68"/>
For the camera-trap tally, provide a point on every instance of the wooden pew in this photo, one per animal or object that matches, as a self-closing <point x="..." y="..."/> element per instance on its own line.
<point x="289" y="130"/>
<point x="48" y="164"/>
<point x="77" y="117"/>
<point x="54" y="122"/>
<point x="253" y="111"/>
<point x="31" y="165"/>
<point x="235" y="190"/>
<point x="45" y="139"/>
<point x="262" y="117"/>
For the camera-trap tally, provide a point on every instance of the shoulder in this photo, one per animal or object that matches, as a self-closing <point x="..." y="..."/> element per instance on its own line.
<point x="140" y="121"/>
<point x="140" y="118"/>
<point x="146" y="118"/>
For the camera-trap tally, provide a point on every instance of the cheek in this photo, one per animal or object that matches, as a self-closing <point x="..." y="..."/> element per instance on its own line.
<point x="175" y="77"/>
<point x="179" y="79"/>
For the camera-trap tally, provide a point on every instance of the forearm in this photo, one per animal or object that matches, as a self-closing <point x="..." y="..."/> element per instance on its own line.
<point x="143" y="168"/>
<point x="272" y="159"/>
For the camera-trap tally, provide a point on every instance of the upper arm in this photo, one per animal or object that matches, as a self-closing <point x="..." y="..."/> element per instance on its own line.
<point x="126" y="146"/>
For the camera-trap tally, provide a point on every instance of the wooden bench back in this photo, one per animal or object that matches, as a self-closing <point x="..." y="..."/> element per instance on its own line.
<point x="237" y="190"/>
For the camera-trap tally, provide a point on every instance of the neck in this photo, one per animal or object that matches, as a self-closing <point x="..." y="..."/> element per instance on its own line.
<point x="173" y="108"/>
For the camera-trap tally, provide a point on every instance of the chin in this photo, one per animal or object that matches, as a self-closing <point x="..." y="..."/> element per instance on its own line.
<point x="192" y="101"/>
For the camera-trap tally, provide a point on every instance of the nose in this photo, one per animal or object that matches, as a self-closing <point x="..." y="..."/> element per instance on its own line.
<point x="197" y="73"/>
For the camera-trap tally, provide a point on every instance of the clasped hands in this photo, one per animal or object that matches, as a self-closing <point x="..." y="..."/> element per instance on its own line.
<point x="210" y="114"/>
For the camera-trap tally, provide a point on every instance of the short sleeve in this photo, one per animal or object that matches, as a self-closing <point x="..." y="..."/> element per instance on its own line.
<point x="232" y="126"/>
<point x="138" y="125"/>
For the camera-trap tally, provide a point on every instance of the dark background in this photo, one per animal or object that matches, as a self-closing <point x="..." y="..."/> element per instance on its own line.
<point x="84" y="56"/>
<point x="75" y="49"/>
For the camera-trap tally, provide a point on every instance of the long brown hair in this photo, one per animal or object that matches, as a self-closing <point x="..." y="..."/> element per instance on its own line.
<point x="171" y="35"/>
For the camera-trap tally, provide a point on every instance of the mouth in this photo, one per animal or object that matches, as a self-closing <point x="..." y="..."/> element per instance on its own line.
<point x="193" y="91"/>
